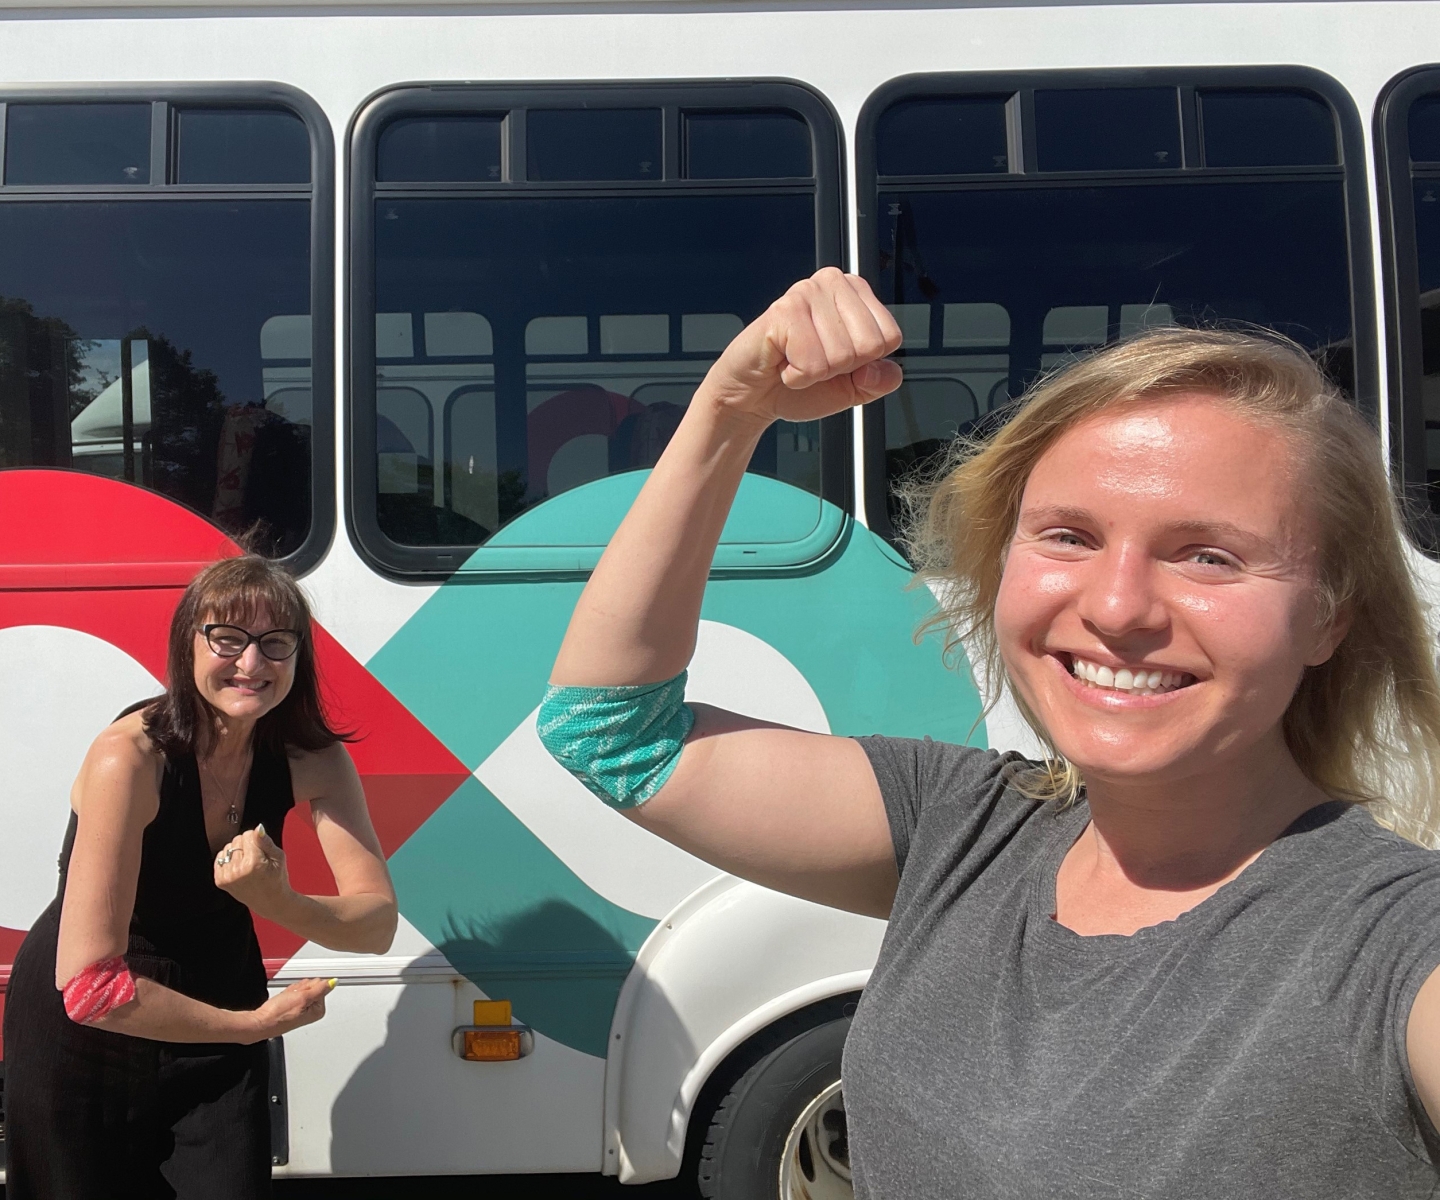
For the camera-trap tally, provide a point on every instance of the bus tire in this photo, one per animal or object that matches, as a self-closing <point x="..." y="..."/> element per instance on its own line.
<point x="786" y="1105"/>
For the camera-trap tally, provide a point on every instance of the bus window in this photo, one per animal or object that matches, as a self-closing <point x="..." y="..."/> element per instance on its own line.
<point x="594" y="143"/>
<point x="440" y="149"/>
<point x="1203" y="197"/>
<point x="229" y="145"/>
<point x="77" y="144"/>
<point x="553" y="324"/>
<point x="163" y="340"/>
<point x="1410" y="158"/>
<point x="1107" y="129"/>
<point x="746" y="145"/>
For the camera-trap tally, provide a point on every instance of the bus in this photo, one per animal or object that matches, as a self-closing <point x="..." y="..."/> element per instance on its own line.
<point x="410" y="297"/>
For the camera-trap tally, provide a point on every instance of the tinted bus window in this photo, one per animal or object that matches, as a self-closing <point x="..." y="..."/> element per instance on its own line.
<point x="1267" y="129"/>
<point x="529" y="341"/>
<point x="598" y="144"/>
<point x="1102" y="129"/>
<point x="77" y="144"/>
<point x="165" y="341"/>
<point x="440" y="149"/>
<point x="746" y="146"/>
<point x="965" y="135"/>
<point x="1411" y="153"/>
<point x="228" y="145"/>
<point x="995" y="281"/>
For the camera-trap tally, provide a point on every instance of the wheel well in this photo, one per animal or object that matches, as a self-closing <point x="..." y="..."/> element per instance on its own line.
<point x="729" y="1070"/>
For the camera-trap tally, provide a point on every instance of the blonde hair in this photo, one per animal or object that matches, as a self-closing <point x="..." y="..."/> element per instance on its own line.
<point x="1365" y="725"/>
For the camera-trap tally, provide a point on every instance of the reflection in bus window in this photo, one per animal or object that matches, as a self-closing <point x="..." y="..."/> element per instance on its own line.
<point x="562" y="339"/>
<point x="163" y="342"/>
<point x="956" y="360"/>
<point x="995" y="281"/>
<point x="472" y="467"/>
<point x="1424" y="122"/>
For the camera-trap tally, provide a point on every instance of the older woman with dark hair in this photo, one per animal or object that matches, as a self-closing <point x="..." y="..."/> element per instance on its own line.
<point x="137" y="1012"/>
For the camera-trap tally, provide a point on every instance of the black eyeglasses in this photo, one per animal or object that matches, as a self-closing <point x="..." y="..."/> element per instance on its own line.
<point x="230" y="641"/>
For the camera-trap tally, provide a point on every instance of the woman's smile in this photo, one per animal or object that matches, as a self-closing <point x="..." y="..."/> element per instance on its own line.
<point x="1115" y="687"/>
<point x="249" y="686"/>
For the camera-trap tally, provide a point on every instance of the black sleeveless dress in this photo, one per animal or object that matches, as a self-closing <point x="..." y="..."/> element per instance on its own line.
<point x="91" y="1113"/>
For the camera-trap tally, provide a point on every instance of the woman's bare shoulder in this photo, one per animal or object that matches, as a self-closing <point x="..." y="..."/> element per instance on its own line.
<point x="122" y="767"/>
<point x="125" y="742"/>
<point x="319" y="773"/>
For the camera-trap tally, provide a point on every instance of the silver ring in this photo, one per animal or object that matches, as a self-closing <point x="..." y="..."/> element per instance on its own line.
<point x="223" y="858"/>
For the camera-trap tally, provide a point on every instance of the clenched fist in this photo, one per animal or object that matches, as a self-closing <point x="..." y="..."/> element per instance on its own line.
<point x="819" y="349"/>
<point x="252" y="869"/>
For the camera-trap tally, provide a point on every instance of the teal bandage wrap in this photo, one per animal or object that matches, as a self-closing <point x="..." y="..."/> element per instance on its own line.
<point x="620" y="742"/>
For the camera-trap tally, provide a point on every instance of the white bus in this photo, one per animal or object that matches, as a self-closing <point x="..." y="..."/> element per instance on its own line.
<point x="416" y="293"/>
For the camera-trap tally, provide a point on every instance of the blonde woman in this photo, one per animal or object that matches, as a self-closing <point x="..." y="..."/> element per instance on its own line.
<point x="1181" y="958"/>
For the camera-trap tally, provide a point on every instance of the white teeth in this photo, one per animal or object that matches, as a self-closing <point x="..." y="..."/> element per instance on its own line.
<point x="1127" y="679"/>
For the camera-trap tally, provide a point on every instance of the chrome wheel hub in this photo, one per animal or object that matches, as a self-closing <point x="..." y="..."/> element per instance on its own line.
<point x="816" y="1162"/>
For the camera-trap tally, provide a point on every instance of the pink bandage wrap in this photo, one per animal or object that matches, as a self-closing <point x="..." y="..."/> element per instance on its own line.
<point x="99" y="989"/>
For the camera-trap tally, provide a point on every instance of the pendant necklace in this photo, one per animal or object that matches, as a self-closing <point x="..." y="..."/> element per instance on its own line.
<point x="233" y="816"/>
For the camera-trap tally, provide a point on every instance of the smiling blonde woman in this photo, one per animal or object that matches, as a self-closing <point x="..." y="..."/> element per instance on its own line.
<point x="1181" y="958"/>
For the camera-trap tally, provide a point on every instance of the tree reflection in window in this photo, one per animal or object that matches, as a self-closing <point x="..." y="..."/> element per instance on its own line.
<point x="131" y="346"/>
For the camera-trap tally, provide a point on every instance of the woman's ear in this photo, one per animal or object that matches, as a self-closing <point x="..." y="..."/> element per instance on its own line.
<point x="1330" y="635"/>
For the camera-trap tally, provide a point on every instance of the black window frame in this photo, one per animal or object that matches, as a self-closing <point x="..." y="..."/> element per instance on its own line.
<point x="430" y="564"/>
<point x="1400" y="285"/>
<point x="1351" y="169"/>
<point x="165" y="99"/>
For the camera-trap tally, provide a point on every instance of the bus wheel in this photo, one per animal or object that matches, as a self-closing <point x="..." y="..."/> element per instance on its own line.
<point x="779" y="1133"/>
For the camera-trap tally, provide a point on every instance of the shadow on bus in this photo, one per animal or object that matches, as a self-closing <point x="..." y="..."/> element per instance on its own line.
<point x="562" y="970"/>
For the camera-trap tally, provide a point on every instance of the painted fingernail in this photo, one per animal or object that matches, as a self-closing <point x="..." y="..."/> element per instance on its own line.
<point x="332" y="983"/>
<point x="260" y="829"/>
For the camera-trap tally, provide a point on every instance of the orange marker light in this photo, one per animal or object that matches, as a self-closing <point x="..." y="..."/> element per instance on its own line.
<point x="490" y="1045"/>
<point x="493" y="1038"/>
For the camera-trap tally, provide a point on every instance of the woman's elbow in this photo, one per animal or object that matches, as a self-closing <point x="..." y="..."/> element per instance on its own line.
<point x="387" y="920"/>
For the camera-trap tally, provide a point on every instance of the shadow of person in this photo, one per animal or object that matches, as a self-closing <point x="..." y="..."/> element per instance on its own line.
<point x="413" y="1106"/>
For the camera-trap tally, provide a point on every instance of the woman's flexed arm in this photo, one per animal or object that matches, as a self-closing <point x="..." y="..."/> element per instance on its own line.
<point x="817" y="350"/>
<point x="252" y="868"/>
<point x="796" y="811"/>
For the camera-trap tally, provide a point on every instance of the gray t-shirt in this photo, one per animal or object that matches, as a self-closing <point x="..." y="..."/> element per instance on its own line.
<point x="1253" y="1047"/>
